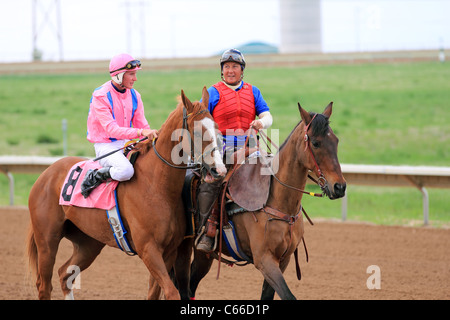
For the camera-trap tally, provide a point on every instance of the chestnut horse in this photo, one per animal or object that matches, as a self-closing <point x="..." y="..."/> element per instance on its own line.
<point x="150" y="205"/>
<point x="268" y="237"/>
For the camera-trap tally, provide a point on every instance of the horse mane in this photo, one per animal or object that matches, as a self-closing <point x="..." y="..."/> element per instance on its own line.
<point x="144" y="146"/>
<point x="319" y="127"/>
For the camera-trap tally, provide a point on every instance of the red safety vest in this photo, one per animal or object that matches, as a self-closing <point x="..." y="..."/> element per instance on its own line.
<point x="235" y="109"/>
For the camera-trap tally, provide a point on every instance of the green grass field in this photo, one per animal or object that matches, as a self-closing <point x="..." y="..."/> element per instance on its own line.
<point x="383" y="114"/>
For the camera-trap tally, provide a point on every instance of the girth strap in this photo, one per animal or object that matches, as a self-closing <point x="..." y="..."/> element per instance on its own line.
<point x="278" y="215"/>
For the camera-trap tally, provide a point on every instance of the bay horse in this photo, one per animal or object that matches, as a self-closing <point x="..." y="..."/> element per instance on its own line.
<point x="269" y="236"/>
<point x="150" y="205"/>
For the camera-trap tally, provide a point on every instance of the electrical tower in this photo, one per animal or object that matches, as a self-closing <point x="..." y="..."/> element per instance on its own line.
<point x="46" y="13"/>
<point x="135" y="25"/>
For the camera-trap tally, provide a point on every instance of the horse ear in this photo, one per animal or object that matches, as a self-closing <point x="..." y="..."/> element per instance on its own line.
<point x="304" y="114"/>
<point x="205" y="97"/>
<point x="187" y="103"/>
<point x="328" y="110"/>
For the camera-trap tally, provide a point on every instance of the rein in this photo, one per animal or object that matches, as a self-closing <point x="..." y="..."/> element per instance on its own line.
<point x="192" y="166"/>
<point x="267" y="140"/>
<point x="185" y="127"/>
<point x="129" y="146"/>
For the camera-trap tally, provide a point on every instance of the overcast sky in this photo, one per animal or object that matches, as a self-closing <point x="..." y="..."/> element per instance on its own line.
<point x="99" y="29"/>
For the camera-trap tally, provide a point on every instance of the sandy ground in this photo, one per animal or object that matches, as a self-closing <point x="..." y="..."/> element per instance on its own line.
<point x="414" y="263"/>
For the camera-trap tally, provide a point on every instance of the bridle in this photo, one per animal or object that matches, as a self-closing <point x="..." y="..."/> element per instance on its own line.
<point x="321" y="181"/>
<point x="195" y="163"/>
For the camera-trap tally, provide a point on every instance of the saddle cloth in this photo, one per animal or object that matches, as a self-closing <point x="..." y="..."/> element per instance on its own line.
<point x="101" y="197"/>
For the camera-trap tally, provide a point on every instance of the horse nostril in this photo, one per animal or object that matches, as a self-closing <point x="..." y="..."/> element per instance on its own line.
<point x="339" y="189"/>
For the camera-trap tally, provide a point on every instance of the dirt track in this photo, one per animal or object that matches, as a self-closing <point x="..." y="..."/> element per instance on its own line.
<point x="414" y="264"/>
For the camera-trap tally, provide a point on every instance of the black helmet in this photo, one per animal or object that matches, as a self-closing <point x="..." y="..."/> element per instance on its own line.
<point x="233" y="55"/>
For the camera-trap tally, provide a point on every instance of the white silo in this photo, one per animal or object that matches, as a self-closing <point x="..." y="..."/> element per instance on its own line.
<point x="300" y="26"/>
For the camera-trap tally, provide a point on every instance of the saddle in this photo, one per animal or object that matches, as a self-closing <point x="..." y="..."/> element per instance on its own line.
<point x="249" y="184"/>
<point x="247" y="189"/>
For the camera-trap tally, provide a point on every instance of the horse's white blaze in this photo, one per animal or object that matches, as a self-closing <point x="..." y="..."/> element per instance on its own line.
<point x="208" y="124"/>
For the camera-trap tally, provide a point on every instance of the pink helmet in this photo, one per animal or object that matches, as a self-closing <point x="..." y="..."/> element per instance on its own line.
<point x="123" y="62"/>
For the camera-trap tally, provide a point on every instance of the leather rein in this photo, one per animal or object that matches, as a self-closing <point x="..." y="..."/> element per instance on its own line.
<point x="322" y="182"/>
<point x="195" y="164"/>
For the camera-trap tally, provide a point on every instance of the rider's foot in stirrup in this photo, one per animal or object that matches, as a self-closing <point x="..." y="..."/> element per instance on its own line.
<point x="93" y="179"/>
<point x="205" y="244"/>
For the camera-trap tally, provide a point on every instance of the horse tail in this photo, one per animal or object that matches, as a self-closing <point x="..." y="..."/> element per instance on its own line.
<point x="32" y="252"/>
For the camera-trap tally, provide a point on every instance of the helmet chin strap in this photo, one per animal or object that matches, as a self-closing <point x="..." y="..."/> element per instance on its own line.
<point x="118" y="78"/>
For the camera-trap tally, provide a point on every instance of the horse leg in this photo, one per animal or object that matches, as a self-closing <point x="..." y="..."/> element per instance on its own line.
<point x="199" y="269"/>
<point x="46" y="253"/>
<point x="182" y="268"/>
<point x="274" y="277"/>
<point x="268" y="292"/>
<point x="154" y="290"/>
<point x="85" y="250"/>
<point x="47" y="234"/>
<point x="153" y="259"/>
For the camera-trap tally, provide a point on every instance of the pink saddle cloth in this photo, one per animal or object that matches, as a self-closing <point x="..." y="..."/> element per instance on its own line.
<point x="101" y="197"/>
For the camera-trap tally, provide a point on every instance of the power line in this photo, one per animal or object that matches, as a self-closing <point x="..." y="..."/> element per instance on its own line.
<point x="135" y="19"/>
<point x="38" y="28"/>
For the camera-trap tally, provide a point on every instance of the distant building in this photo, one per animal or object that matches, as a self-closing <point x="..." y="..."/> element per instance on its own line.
<point x="257" y="48"/>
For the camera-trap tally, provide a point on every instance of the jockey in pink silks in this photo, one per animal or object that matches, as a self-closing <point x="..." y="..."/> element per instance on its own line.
<point x="116" y="115"/>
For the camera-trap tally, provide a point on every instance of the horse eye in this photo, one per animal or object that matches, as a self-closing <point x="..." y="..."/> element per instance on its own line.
<point x="316" y="144"/>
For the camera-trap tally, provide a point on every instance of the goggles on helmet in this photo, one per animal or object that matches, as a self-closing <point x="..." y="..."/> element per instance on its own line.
<point x="129" y="66"/>
<point x="232" y="55"/>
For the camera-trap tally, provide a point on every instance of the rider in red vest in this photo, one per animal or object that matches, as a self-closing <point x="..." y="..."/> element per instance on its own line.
<point x="234" y="104"/>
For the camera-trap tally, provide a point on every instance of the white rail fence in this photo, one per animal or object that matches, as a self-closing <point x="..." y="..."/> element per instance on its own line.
<point x="421" y="177"/>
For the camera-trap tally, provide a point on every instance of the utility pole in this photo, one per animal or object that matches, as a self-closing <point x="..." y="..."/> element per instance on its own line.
<point x="42" y="18"/>
<point x="135" y="24"/>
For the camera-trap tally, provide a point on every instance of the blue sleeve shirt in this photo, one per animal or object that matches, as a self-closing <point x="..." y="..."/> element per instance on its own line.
<point x="260" y="104"/>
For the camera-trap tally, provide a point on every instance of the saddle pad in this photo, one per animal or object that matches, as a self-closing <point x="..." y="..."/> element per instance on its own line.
<point x="233" y="244"/>
<point x="189" y="196"/>
<point x="249" y="186"/>
<point x="101" y="197"/>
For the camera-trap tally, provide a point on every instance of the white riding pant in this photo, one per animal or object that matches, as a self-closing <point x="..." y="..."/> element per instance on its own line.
<point x="121" y="168"/>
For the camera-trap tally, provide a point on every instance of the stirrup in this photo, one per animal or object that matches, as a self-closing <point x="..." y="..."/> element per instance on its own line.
<point x="214" y="240"/>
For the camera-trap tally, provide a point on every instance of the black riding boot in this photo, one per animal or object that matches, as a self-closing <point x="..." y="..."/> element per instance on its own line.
<point x="207" y="196"/>
<point x="93" y="179"/>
